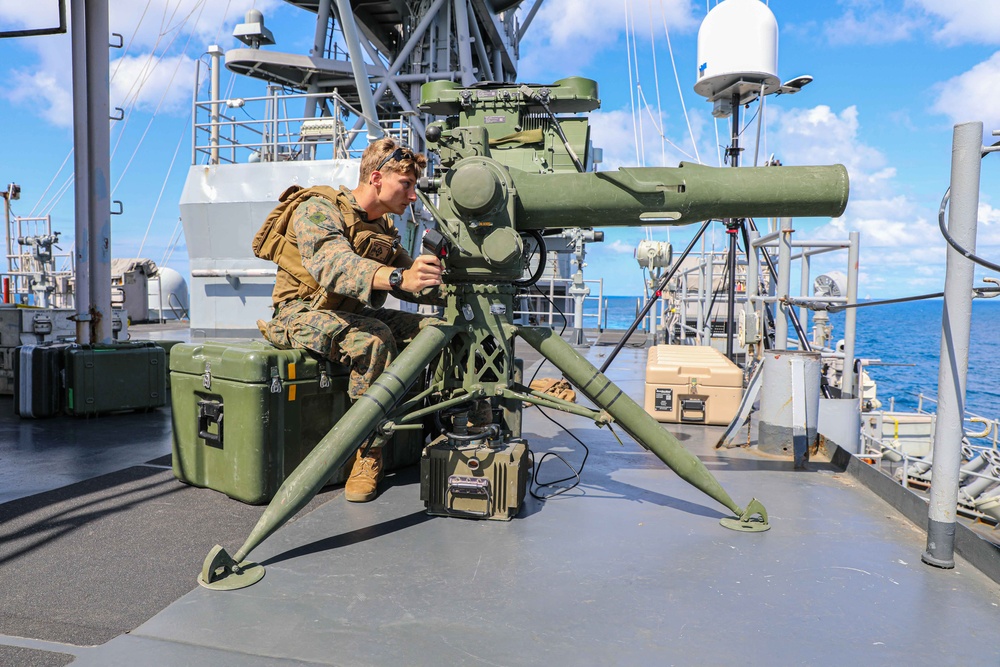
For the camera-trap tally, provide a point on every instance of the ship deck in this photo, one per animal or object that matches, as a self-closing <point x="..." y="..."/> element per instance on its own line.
<point x="100" y="547"/>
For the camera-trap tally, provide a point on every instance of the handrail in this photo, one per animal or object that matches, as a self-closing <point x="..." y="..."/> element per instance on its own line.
<point x="549" y="314"/>
<point x="878" y="452"/>
<point x="274" y="134"/>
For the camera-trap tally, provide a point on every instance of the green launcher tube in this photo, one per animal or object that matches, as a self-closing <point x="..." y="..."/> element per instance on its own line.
<point x="677" y="195"/>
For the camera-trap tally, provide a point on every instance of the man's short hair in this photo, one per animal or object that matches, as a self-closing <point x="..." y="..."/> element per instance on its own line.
<point x="387" y="155"/>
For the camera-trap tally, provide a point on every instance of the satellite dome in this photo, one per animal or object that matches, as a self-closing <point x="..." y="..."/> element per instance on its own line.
<point x="737" y="51"/>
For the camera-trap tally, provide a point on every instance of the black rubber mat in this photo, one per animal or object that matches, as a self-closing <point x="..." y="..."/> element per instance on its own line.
<point x="87" y="562"/>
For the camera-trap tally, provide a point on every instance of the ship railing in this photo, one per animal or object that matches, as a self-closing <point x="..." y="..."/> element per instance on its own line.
<point x="556" y="305"/>
<point x="978" y="489"/>
<point x="24" y="268"/>
<point x="979" y="426"/>
<point x="782" y="301"/>
<point x="699" y="288"/>
<point x="17" y="288"/>
<point x="266" y="129"/>
<point x="175" y="307"/>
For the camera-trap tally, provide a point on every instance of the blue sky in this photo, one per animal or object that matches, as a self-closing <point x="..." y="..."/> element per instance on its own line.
<point x="891" y="78"/>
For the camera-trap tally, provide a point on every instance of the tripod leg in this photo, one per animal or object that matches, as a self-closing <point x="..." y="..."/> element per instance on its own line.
<point x="638" y="424"/>
<point x="224" y="572"/>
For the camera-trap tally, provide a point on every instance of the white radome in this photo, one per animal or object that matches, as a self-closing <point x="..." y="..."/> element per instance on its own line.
<point x="737" y="41"/>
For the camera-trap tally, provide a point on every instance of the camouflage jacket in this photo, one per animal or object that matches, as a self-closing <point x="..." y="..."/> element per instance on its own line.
<point x="341" y="249"/>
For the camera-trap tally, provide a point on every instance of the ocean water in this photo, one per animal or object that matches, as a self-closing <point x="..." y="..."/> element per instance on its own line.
<point x="910" y="333"/>
<point x="906" y="338"/>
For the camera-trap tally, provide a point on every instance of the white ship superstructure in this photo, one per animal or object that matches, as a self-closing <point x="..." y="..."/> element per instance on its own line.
<point x="361" y="80"/>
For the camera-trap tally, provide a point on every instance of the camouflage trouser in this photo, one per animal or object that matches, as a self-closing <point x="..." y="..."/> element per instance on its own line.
<point x="367" y="341"/>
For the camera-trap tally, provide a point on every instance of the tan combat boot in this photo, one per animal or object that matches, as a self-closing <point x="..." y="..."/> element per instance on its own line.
<point x="362" y="485"/>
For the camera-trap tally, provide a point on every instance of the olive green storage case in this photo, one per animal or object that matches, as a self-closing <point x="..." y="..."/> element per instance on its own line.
<point x="245" y="414"/>
<point x="111" y="378"/>
<point x="167" y="346"/>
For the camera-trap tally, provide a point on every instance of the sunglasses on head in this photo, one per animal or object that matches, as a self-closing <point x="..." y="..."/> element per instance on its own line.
<point x="396" y="155"/>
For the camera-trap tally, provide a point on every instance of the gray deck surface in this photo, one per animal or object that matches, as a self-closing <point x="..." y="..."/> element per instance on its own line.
<point x="631" y="567"/>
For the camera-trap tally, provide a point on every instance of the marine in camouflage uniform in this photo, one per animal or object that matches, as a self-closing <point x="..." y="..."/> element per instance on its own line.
<point x="338" y="256"/>
<point x="358" y="334"/>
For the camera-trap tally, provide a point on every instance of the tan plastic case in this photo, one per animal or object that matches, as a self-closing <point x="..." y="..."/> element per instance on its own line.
<point x="692" y="384"/>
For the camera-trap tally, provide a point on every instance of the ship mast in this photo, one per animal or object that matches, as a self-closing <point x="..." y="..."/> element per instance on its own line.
<point x="392" y="48"/>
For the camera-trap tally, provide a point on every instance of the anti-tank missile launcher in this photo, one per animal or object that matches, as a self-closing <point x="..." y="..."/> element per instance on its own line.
<point x="509" y="166"/>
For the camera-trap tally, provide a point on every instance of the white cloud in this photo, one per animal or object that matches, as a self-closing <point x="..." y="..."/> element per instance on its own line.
<point x="151" y="84"/>
<point x="46" y="89"/>
<point x="950" y="22"/>
<point x="901" y="249"/>
<point x="158" y="36"/>
<point x="160" y="21"/>
<point x="561" y="26"/>
<point x="621" y="247"/>
<point x="17" y="14"/>
<point x="872" y="22"/>
<point x="616" y="131"/>
<point x="972" y="95"/>
<point x="819" y="135"/>
<point x="989" y="226"/>
<point x="964" y="20"/>
<point x="898" y="238"/>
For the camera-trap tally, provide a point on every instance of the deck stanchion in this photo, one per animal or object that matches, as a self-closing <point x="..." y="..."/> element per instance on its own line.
<point x="783" y="282"/>
<point x="849" y="378"/>
<point x="956" y="318"/>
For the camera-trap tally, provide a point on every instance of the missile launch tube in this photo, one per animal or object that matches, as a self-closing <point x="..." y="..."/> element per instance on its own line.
<point x="677" y="196"/>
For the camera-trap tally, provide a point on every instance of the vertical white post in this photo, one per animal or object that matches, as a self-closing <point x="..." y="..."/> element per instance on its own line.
<point x="783" y="280"/>
<point x="848" y="378"/>
<point x="753" y="282"/>
<point x="704" y="289"/>
<point x="215" y="52"/>
<point x="804" y="292"/>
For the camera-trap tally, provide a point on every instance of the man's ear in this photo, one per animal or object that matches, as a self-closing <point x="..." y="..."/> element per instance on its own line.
<point x="376" y="179"/>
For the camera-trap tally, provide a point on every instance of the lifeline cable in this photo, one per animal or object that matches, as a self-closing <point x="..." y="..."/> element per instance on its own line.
<point x="944" y="231"/>
<point x="953" y="243"/>
<point x="979" y="292"/>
